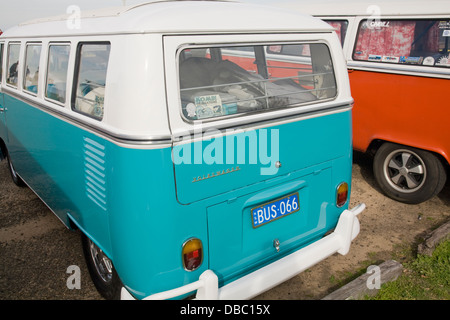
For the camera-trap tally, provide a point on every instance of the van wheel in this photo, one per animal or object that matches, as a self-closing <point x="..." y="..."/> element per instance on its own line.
<point x="101" y="269"/>
<point x="15" y="177"/>
<point x="408" y="174"/>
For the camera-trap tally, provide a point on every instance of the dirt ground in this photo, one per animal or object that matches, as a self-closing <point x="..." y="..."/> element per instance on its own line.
<point x="36" y="249"/>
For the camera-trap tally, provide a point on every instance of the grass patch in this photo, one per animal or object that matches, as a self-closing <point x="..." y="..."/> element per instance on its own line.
<point x="424" y="278"/>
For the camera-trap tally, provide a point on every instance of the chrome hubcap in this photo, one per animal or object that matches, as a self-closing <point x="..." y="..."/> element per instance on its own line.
<point x="102" y="263"/>
<point x="404" y="170"/>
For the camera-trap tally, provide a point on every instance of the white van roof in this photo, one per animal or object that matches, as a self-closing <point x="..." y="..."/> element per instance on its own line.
<point x="366" y="8"/>
<point x="172" y="17"/>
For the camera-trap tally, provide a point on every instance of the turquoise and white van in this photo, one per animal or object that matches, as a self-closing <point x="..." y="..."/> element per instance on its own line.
<point x="188" y="170"/>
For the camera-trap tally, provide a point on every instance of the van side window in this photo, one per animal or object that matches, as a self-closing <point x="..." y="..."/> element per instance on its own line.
<point x="58" y="62"/>
<point x="1" y="62"/>
<point x="90" y="79"/>
<point x="13" y="64"/>
<point x="32" y="58"/>
<point x="340" y="27"/>
<point x="221" y="81"/>
<point x="413" y="42"/>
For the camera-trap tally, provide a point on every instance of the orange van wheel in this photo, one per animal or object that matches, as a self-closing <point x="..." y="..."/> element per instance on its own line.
<point x="408" y="174"/>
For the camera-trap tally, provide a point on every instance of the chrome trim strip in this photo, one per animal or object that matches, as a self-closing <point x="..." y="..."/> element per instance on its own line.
<point x="421" y="71"/>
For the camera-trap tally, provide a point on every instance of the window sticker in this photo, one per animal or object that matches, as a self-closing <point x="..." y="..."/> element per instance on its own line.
<point x="411" y="60"/>
<point x="443" y="61"/>
<point x="444" y="24"/>
<point x="428" y="61"/>
<point x="391" y="59"/>
<point x="208" y="106"/>
<point x="374" y="57"/>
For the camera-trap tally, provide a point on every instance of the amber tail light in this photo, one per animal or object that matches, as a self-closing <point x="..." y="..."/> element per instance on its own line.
<point x="192" y="254"/>
<point x="341" y="194"/>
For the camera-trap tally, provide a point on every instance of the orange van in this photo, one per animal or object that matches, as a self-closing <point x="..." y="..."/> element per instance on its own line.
<point x="399" y="69"/>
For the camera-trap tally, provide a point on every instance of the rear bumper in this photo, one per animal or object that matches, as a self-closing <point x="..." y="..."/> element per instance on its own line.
<point x="273" y="274"/>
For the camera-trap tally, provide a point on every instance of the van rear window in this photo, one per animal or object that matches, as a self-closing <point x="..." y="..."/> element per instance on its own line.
<point x="223" y="81"/>
<point x="413" y="42"/>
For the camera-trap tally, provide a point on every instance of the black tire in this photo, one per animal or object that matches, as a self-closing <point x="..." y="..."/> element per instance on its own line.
<point x="101" y="270"/>
<point x="15" y="177"/>
<point x="408" y="174"/>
